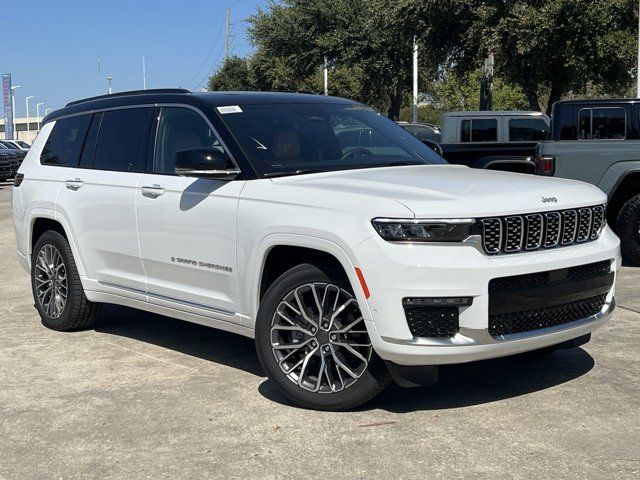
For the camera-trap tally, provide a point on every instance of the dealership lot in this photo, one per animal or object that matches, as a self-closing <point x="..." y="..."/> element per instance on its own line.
<point x="148" y="396"/>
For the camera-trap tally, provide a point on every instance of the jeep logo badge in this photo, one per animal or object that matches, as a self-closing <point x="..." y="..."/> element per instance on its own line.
<point x="549" y="200"/>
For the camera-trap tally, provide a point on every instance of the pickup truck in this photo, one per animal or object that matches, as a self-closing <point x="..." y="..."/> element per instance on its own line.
<point x="493" y="140"/>
<point x="598" y="141"/>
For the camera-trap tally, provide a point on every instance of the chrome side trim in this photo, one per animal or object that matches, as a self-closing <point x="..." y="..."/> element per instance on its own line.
<point x="167" y="298"/>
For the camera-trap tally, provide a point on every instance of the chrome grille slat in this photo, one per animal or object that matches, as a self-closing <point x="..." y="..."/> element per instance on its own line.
<point x="569" y="227"/>
<point x="536" y="231"/>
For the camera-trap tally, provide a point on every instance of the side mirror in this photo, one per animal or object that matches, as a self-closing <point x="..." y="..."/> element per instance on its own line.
<point x="433" y="146"/>
<point x="205" y="162"/>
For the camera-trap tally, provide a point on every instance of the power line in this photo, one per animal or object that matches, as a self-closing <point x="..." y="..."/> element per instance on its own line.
<point x="208" y="55"/>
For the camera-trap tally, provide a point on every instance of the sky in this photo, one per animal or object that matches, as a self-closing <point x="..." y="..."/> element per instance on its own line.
<point x="52" y="48"/>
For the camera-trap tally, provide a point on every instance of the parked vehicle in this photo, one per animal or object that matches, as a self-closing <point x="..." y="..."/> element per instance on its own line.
<point x="12" y="160"/>
<point x="18" y="144"/>
<point x="596" y="141"/>
<point x="18" y="154"/>
<point x="494" y="140"/>
<point x="5" y="166"/>
<point x="423" y="131"/>
<point x="350" y="265"/>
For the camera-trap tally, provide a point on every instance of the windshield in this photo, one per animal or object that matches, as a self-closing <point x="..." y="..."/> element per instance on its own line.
<point x="301" y="138"/>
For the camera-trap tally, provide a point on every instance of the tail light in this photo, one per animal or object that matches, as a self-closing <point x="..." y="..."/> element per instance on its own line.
<point x="545" y="166"/>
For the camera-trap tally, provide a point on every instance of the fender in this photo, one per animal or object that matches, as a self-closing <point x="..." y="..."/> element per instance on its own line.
<point x="51" y="214"/>
<point x="256" y="262"/>
<point x="615" y="174"/>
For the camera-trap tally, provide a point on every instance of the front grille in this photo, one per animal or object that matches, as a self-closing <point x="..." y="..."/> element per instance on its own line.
<point x="523" y="303"/>
<point x="536" y="231"/>
<point x="435" y="322"/>
<point x="528" y="320"/>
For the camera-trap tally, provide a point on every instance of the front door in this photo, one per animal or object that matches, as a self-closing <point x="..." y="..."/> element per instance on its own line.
<point x="187" y="226"/>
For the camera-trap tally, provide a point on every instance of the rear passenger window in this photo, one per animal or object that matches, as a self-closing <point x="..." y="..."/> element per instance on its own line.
<point x="122" y="141"/>
<point x="64" y="144"/>
<point x="528" y="130"/>
<point x="602" y="124"/>
<point x="479" y="130"/>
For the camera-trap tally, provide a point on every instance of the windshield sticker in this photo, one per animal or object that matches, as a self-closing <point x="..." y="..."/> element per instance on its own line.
<point x="229" y="109"/>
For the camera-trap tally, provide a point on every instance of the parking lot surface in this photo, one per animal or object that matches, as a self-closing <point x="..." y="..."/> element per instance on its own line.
<point x="144" y="396"/>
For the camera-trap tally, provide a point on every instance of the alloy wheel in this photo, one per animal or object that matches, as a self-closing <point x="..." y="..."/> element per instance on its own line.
<point x="319" y="338"/>
<point x="51" y="281"/>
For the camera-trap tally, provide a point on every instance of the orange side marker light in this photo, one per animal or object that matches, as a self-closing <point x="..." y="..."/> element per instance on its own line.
<point x="363" y="284"/>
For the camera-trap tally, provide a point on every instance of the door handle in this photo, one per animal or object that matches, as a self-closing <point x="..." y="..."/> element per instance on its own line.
<point x="152" y="191"/>
<point x="74" y="184"/>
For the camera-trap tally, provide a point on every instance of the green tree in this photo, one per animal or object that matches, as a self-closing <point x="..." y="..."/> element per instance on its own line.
<point x="235" y="74"/>
<point x="548" y="47"/>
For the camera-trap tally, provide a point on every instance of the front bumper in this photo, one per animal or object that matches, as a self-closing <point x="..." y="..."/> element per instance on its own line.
<point x="396" y="271"/>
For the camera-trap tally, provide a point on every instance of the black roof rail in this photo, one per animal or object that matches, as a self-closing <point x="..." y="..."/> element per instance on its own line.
<point x="151" y="91"/>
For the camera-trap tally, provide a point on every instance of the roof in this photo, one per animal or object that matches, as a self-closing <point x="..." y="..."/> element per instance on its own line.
<point x="175" y="95"/>
<point x="597" y="101"/>
<point x="492" y="113"/>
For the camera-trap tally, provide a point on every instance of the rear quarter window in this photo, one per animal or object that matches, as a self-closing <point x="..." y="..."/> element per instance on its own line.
<point x="65" y="142"/>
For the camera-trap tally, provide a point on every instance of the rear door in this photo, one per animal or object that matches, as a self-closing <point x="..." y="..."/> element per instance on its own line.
<point x="98" y="197"/>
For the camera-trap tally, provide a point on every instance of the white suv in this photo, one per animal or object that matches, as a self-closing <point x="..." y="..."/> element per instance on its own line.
<point x="350" y="251"/>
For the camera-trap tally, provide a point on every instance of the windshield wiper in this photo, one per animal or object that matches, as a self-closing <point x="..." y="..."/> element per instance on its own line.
<point x="302" y="171"/>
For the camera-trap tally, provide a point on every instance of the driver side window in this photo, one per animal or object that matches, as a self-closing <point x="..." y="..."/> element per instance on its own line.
<point x="180" y="129"/>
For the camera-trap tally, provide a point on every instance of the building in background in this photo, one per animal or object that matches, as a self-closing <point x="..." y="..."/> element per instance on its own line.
<point x="21" y="129"/>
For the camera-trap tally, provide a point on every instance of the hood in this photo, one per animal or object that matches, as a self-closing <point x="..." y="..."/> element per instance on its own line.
<point x="440" y="191"/>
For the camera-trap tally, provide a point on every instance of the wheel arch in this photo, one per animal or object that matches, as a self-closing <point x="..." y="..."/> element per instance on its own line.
<point x="627" y="187"/>
<point x="292" y="250"/>
<point x="42" y="220"/>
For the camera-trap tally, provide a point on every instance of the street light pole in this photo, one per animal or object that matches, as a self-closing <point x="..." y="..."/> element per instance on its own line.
<point x="109" y="80"/>
<point x="26" y="102"/>
<point x="325" y="76"/>
<point x="13" y="109"/>
<point x="46" y="111"/>
<point x="38" y="114"/>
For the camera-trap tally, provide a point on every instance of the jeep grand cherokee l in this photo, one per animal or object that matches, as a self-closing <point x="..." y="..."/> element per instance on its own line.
<point x="349" y="265"/>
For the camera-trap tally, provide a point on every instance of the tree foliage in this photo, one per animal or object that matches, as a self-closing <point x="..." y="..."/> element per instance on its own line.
<point x="544" y="50"/>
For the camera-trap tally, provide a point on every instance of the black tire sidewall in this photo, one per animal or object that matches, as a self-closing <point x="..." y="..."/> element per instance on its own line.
<point x="366" y="387"/>
<point x="626" y="227"/>
<point x="74" y="288"/>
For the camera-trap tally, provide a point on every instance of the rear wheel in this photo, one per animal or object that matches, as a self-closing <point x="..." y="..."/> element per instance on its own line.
<point x="56" y="286"/>
<point x="313" y="343"/>
<point x="628" y="229"/>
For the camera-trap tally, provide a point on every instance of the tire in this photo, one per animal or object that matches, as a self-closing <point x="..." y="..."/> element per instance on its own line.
<point x="332" y="389"/>
<point x="628" y="229"/>
<point x="74" y="312"/>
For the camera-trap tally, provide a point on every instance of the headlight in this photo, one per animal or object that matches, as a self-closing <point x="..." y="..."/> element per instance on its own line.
<point x="436" y="230"/>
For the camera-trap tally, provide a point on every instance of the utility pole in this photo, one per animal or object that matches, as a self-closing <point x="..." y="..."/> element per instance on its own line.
<point x="109" y="79"/>
<point x="325" y="74"/>
<point x="26" y="102"/>
<point x="415" y="80"/>
<point x="227" y="43"/>
<point x="144" y="74"/>
<point x="486" y="84"/>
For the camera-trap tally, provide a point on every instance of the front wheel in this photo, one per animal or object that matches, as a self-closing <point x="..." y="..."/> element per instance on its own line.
<point x="313" y="343"/>
<point x="628" y="229"/>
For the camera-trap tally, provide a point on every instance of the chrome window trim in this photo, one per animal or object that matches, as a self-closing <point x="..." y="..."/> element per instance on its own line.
<point x="157" y="105"/>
